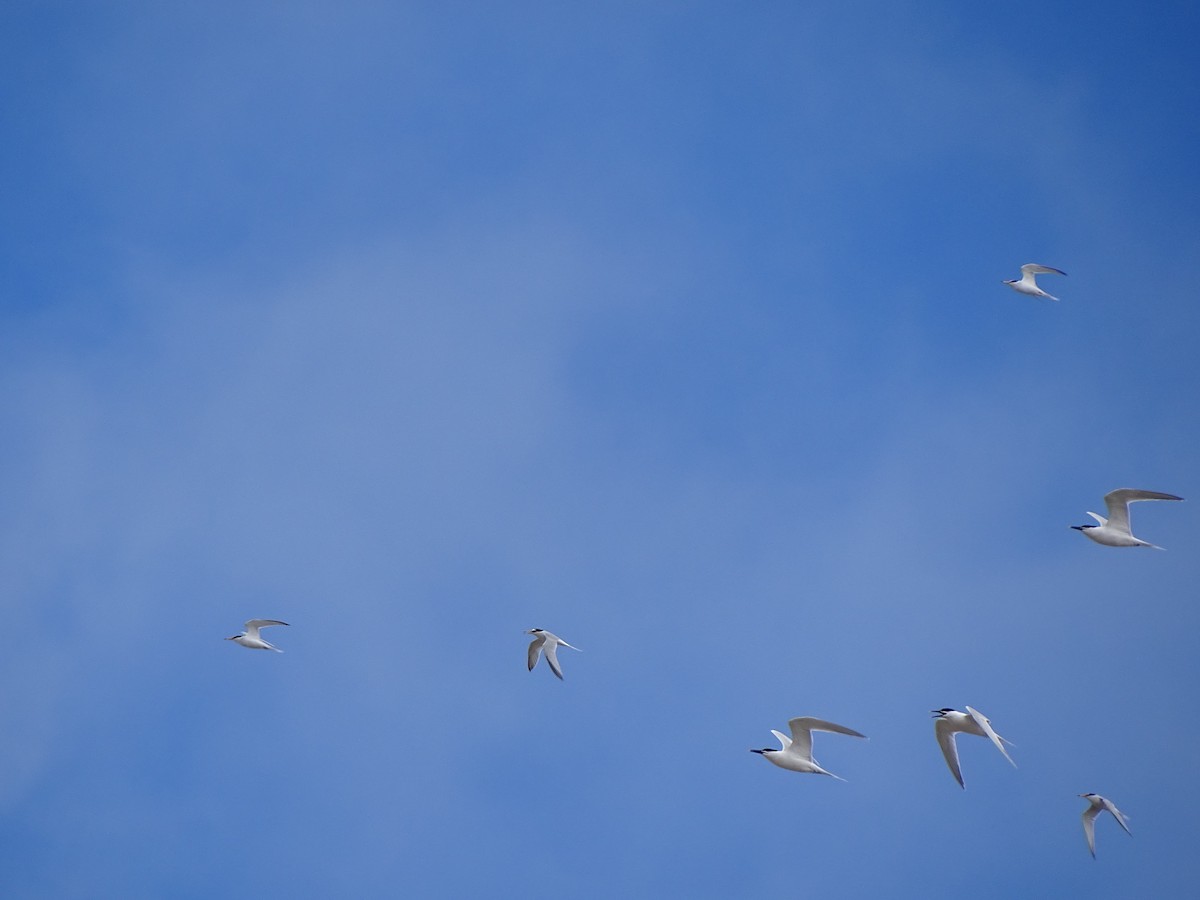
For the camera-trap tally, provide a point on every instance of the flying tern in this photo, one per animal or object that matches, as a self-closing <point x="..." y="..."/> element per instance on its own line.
<point x="1097" y="805"/>
<point x="1114" y="531"/>
<point x="250" y="638"/>
<point x="546" y="643"/>
<point x="796" y="753"/>
<point x="1027" y="284"/>
<point x="950" y="723"/>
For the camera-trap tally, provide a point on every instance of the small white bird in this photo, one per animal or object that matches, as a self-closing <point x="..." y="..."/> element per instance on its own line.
<point x="950" y="723"/>
<point x="1114" y="531"/>
<point x="1097" y="805"/>
<point x="1028" y="282"/>
<point x="796" y="752"/>
<point x="546" y="643"/>
<point x="249" y="637"/>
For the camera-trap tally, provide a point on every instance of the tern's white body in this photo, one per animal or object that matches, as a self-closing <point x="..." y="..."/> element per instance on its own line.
<point x="951" y="723"/>
<point x="547" y="644"/>
<point x="1114" y="531"/>
<point x="250" y="637"/>
<point x="1097" y="805"/>
<point x="796" y="752"/>
<point x="1028" y="281"/>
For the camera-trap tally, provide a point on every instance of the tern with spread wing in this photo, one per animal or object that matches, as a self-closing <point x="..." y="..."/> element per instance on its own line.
<point x="1097" y="805"/>
<point x="1028" y="281"/>
<point x="547" y="644"/>
<point x="950" y="723"/>
<point x="250" y="637"/>
<point x="1114" y="531"/>
<point x="796" y="753"/>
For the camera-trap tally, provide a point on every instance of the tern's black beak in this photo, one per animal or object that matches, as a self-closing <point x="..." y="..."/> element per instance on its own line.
<point x="756" y="751"/>
<point x="1078" y="527"/>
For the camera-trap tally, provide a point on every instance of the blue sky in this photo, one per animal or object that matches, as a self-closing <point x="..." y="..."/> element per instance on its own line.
<point x="676" y="329"/>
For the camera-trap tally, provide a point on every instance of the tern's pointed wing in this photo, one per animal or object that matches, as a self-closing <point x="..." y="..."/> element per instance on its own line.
<point x="254" y="624"/>
<point x="802" y="728"/>
<point x="782" y="738"/>
<point x="550" y="649"/>
<point x="945" y="739"/>
<point x="982" y="722"/>
<point x="1116" y="813"/>
<point x="1034" y="269"/>
<point x="535" y="647"/>
<point x="1089" y="827"/>
<point x="1118" y="504"/>
<point x="1118" y="509"/>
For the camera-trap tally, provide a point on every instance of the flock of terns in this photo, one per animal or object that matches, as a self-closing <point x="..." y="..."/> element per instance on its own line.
<point x="795" y="753"/>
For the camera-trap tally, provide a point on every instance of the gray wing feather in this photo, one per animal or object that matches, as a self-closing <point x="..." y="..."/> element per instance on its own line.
<point x="982" y="722"/>
<point x="1035" y="269"/>
<point x="550" y="650"/>
<point x="1116" y="813"/>
<point x="1089" y="827"/>
<point x="1118" y="503"/>
<point x="254" y="624"/>
<point x="945" y="739"/>
<point x="535" y="647"/>
<point x="803" y="726"/>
